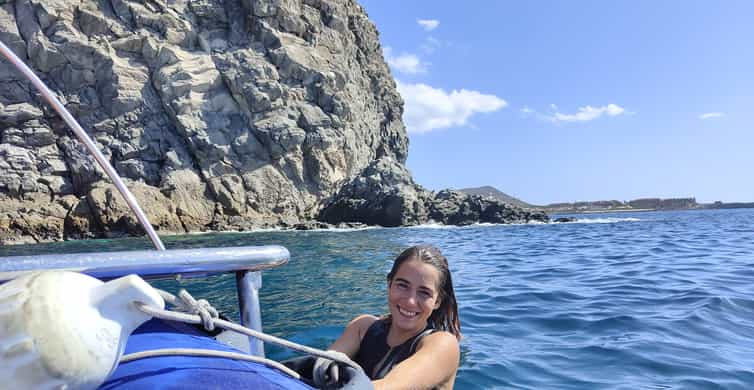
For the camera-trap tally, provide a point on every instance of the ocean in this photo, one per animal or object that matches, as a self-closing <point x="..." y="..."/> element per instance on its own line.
<point x="652" y="300"/>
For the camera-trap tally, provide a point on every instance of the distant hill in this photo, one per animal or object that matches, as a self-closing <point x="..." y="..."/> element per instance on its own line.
<point x="642" y="204"/>
<point x="601" y="206"/>
<point x="497" y="194"/>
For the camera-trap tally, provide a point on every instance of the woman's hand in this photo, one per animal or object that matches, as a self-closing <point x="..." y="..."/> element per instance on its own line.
<point x="330" y="374"/>
<point x="326" y="372"/>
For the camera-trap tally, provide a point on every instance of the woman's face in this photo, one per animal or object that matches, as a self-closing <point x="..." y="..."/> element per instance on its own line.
<point x="413" y="295"/>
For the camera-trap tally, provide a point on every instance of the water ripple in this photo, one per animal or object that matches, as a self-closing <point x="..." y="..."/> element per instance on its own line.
<point x="657" y="300"/>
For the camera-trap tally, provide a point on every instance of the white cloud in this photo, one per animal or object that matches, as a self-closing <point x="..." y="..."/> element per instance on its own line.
<point x="526" y="111"/>
<point x="709" y="115"/>
<point x="428" y="24"/>
<point x="431" y="44"/>
<point x="404" y="63"/>
<point x="587" y="113"/>
<point x="428" y="108"/>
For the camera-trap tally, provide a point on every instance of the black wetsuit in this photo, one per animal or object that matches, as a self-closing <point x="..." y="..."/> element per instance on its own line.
<point x="375" y="355"/>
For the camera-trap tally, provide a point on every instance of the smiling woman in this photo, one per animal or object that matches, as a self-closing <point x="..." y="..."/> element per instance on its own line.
<point x="416" y="344"/>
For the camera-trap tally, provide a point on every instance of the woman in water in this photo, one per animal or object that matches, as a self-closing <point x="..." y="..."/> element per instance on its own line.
<point x="415" y="346"/>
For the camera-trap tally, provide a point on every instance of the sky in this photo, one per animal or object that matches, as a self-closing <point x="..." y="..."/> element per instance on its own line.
<point x="563" y="101"/>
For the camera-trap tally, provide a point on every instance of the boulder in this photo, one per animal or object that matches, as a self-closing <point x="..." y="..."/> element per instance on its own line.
<point x="383" y="194"/>
<point x="111" y="212"/>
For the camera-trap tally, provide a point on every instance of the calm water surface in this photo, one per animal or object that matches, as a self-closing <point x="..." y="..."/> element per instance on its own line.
<point x="660" y="300"/>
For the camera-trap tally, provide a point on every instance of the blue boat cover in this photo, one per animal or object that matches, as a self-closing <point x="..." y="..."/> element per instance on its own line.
<point x="182" y="372"/>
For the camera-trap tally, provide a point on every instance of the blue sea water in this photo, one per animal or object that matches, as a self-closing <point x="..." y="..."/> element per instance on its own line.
<point x="655" y="300"/>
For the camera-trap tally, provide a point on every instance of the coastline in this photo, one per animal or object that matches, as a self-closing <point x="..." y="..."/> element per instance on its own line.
<point x="604" y="211"/>
<point x="311" y="226"/>
<point x="548" y="212"/>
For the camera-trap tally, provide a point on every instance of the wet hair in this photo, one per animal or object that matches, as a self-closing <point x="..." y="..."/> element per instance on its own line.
<point x="444" y="317"/>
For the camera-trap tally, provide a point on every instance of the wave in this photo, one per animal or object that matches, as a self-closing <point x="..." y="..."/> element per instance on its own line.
<point x="604" y="220"/>
<point x="487" y="224"/>
<point x="434" y="225"/>
<point x="429" y="225"/>
<point x="227" y="231"/>
<point x="339" y="230"/>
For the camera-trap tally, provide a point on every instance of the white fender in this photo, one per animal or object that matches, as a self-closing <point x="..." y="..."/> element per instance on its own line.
<point x="65" y="330"/>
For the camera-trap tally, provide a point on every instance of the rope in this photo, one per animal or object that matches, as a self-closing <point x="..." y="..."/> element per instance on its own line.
<point x="200" y="311"/>
<point x="207" y="353"/>
<point x="195" y="319"/>
<point x="187" y="304"/>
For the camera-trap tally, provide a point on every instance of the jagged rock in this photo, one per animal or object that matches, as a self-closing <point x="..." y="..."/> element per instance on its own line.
<point x="456" y="208"/>
<point x="383" y="194"/>
<point x="311" y="225"/>
<point x="15" y="114"/>
<point x="182" y="187"/>
<point x="111" y="212"/>
<point x="80" y="222"/>
<point x="19" y="224"/>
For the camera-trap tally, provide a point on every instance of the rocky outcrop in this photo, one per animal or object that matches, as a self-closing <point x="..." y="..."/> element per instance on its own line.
<point x="385" y="194"/>
<point x="456" y="208"/>
<point x="219" y="114"/>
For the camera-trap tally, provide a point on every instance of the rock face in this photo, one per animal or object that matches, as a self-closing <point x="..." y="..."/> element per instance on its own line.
<point x="220" y="114"/>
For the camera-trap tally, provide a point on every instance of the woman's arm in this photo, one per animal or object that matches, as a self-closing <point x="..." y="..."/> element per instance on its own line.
<point x="350" y="340"/>
<point x="433" y="364"/>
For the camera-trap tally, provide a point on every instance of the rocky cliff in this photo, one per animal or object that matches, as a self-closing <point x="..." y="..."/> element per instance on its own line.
<point x="220" y="114"/>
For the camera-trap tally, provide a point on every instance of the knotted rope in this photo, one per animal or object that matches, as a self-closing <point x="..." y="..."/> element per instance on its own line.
<point x="186" y="303"/>
<point x="200" y="311"/>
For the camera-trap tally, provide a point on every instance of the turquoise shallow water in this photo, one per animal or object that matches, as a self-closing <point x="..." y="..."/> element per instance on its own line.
<point x="660" y="300"/>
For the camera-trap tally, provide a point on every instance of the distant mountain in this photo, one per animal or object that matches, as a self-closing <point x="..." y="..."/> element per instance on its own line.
<point x="602" y="206"/>
<point x="497" y="194"/>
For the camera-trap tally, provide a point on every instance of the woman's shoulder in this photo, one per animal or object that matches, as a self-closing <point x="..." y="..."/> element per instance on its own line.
<point x="362" y="322"/>
<point x="440" y="340"/>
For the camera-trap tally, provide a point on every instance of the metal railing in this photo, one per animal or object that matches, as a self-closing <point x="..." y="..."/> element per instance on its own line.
<point x="246" y="262"/>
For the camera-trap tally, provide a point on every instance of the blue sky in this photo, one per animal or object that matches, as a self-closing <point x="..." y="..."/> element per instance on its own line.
<point x="560" y="101"/>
